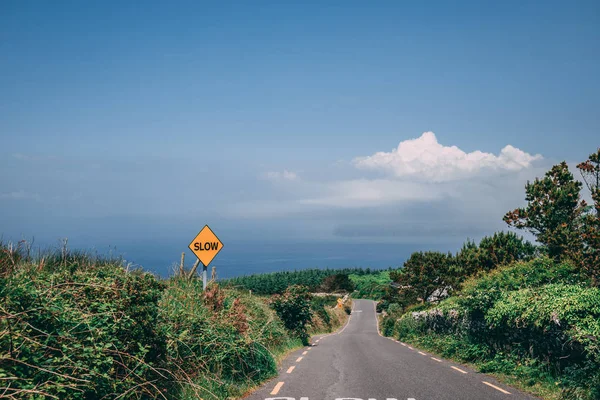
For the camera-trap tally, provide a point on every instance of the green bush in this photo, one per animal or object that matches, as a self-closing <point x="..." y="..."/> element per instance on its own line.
<point x="533" y="320"/>
<point x="479" y="293"/>
<point x="371" y="286"/>
<point x="293" y="308"/>
<point x="80" y="332"/>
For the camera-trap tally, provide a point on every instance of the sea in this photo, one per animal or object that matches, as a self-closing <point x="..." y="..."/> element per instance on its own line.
<point x="244" y="258"/>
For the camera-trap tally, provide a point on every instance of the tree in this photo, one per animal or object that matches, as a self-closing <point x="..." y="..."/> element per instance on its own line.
<point x="336" y="283"/>
<point x="553" y="212"/>
<point x="466" y="262"/>
<point x="293" y="308"/>
<point x="590" y="171"/>
<point x="425" y="274"/>
<point x="503" y="248"/>
<point x="500" y="249"/>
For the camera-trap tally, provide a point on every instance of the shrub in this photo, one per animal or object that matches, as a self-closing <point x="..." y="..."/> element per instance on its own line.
<point x="481" y="292"/>
<point x="293" y="307"/>
<point x="337" y="283"/>
<point x="81" y="332"/>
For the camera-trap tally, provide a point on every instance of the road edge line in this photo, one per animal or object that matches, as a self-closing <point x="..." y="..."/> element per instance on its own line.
<point x="277" y="388"/>
<point x="496" y="387"/>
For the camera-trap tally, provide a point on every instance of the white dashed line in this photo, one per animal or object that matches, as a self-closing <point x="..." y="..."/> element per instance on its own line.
<point x="299" y="359"/>
<point x="423" y="354"/>
<point x="436" y="359"/>
<point x="410" y="347"/>
<point x="277" y="388"/>
<point x="458" y="369"/>
<point x="496" y="387"/>
<point x="290" y="369"/>
<point x="403" y="344"/>
<point x="304" y="353"/>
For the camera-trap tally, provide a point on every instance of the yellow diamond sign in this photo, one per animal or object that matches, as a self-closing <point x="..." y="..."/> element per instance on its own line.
<point x="206" y="245"/>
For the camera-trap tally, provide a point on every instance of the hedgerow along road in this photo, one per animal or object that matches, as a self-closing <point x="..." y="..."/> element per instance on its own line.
<point x="358" y="363"/>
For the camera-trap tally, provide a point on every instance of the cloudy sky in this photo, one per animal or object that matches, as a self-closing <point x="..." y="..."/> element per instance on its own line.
<point x="341" y="121"/>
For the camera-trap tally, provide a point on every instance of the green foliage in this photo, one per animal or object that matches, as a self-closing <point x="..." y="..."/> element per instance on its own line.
<point x="493" y="251"/>
<point x="79" y="332"/>
<point x="371" y="286"/>
<point x="425" y="274"/>
<point x="568" y="313"/>
<point x="553" y="213"/>
<point x="319" y="304"/>
<point x="337" y="283"/>
<point x="293" y="308"/>
<point x="590" y="233"/>
<point x="535" y="320"/>
<point x="480" y="293"/>
<point x="278" y="282"/>
<point x="73" y="326"/>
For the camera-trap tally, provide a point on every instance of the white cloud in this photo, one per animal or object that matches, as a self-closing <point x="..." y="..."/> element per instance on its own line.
<point x="426" y="159"/>
<point x="285" y="175"/>
<point x="371" y="193"/>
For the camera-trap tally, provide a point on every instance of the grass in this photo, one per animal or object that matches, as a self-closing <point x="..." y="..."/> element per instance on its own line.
<point x="78" y="326"/>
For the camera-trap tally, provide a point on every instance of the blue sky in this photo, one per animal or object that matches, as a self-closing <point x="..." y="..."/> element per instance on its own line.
<point x="121" y="120"/>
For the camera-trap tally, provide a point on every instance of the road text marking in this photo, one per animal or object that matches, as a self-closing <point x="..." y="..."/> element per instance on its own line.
<point x="290" y="369"/>
<point x="436" y="359"/>
<point x="496" y="387"/>
<point x="458" y="369"/>
<point x="277" y="388"/>
<point x="299" y="359"/>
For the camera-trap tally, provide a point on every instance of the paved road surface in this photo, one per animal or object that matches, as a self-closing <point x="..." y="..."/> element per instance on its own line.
<point x="358" y="363"/>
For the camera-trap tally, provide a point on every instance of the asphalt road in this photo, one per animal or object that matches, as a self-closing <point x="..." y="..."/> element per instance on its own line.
<point x="358" y="363"/>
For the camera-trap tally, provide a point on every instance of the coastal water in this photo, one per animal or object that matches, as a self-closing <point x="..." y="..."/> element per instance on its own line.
<point x="244" y="258"/>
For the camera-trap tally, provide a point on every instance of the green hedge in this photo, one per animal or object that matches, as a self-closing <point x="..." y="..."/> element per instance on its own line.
<point x="535" y="320"/>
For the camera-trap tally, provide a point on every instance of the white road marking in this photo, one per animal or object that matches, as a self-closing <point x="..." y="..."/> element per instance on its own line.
<point x="304" y="353"/>
<point x="277" y="388"/>
<point x="422" y="353"/>
<point x="496" y="387"/>
<point x="436" y="359"/>
<point x="317" y="341"/>
<point x="290" y="369"/>
<point x="299" y="359"/>
<point x="410" y="347"/>
<point x="403" y="344"/>
<point x="285" y="398"/>
<point x="458" y="369"/>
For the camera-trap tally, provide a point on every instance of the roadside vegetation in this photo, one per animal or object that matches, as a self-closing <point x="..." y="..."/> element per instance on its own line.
<point x="76" y="326"/>
<point x="529" y="314"/>
<point x="316" y="280"/>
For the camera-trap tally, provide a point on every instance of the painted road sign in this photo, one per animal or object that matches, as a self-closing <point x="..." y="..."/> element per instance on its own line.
<point x="206" y="245"/>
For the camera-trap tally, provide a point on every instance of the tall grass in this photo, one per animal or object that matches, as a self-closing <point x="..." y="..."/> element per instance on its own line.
<point x="77" y="326"/>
